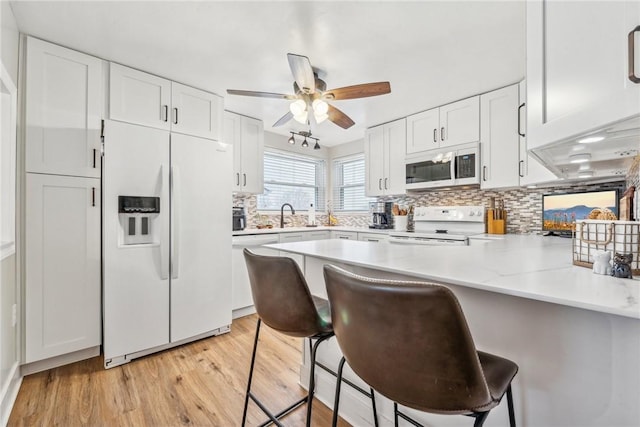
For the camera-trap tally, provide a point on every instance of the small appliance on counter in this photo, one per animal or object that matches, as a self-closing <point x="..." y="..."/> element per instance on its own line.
<point x="239" y="218"/>
<point x="381" y="215"/>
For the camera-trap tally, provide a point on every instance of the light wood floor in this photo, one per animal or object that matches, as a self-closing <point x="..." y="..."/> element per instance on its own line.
<point x="198" y="384"/>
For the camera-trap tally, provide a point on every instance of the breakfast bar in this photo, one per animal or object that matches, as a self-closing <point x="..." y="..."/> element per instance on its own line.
<point x="574" y="334"/>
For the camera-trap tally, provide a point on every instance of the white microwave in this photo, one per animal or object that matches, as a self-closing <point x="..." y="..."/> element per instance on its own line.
<point x="444" y="167"/>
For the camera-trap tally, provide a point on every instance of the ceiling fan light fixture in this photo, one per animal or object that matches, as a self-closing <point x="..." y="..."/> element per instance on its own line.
<point x="302" y="117"/>
<point x="320" y="107"/>
<point x="298" y="107"/>
<point x="580" y="158"/>
<point x="320" y="117"/>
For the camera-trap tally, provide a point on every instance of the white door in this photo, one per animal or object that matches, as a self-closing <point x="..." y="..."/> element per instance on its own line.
<point x="252" y="141"/>
<point x="62" y="304"/>
<point x="577" y="67"/>
<point x="63" y="110"/>
<point x="201" y="236"/>
<point x="460" y="122"/>
<point x="195" y="112"/>
<point x="232" y="135"/>
<point x="139" y="98"/>
<point x="395" y="146"/>
<point x="422" y="131"/>
<point x="136" y="276"/>
<point x="499" y="140"/>
<point x="374" y="161"/>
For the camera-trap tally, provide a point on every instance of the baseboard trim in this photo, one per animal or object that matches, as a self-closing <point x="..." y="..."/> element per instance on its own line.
<point x="241" y="312"/>
<point x="10" y="394"/>
<point x="54" y="362"/>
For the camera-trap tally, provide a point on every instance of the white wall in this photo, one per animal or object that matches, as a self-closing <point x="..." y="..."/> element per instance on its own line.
<point x="9" y="287"/>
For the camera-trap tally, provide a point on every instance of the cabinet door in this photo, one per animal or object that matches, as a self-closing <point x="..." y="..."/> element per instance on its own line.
<point x="577" y="67"/>
<point x="139" y="98"/>
<point x="460" y="122"/>
<point x="422" y="131"/>
<point x="63" y="110"/>
<point x="373" y="237"/>
<point x="374" y="161"/>
<point x="394" y="152"/>
<point x="232" y="132"/>
<point x="530" y="170"/>
<point x="200" y="236"/>
<point x="240" y="277"/>
<point x="195" y="112"/>
<point x="252" y="141"/>
<point x="317" y="235"/>
<point x="499" y="138"/>
<point x="62" y="290"/>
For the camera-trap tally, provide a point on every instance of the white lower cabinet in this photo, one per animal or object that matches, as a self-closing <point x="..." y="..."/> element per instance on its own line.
<point x="62" y="289"/>
<point x="373" y="237"/>
<point x="241" y="295"/>
<point x="344" y="235"/>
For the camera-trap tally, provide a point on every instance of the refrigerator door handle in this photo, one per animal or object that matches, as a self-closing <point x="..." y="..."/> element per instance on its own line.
<point x="174" y="179"/>
<point x="164" y="239"/>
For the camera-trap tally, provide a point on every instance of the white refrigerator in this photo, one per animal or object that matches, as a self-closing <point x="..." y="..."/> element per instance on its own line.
<point x="166" y="240"/>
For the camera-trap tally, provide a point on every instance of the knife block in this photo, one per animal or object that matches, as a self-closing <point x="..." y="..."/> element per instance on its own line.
<point x="496" y="226"/>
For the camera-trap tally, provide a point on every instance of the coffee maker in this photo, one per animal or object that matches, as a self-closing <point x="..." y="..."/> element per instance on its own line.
<point x="381" y="216"/>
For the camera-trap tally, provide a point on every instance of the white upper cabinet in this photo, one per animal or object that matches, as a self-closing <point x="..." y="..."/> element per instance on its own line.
<point x="63" y="110"/>
<point x="580" y="61"/>
<point x="247" y="137"/>
<point x="530" y="170"/>
<point x="385" y="153"/>
<point x="139" y="98"/>
<point x="451" y="124"/>
<point x="499" y="138"/>
<point x="460" y="122"/>
<point x="144" y="99"/>
<point x="422" y="131"/>
<point x="195" y="112"/>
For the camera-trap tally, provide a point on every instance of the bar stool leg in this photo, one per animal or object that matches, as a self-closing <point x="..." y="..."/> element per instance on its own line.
<point x="336" y="403"/>
<point x="395" y="414"/>
<point x="312" y="378"/>
<point x="480" y="419"/>
<point x="512" y="415"/>
<point x="253" y="360"/>
<point x="373" y="404"/>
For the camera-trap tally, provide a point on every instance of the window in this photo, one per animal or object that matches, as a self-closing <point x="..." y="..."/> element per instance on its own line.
<point x="7" y="164"/>
<point x="348" y="184"/>
<point x="294" y="179"/>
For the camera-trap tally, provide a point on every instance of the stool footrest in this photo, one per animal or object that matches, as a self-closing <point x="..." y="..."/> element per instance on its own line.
<point x="273" y="418"/>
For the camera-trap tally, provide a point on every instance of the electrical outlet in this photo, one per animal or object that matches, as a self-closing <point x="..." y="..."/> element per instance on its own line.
<point x="14" y="315"/>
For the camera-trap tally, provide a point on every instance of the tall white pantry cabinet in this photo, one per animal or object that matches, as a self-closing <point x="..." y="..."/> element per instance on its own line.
<point x="63" y="104"/>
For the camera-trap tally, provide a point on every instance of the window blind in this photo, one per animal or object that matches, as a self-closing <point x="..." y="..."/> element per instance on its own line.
<point x="349" y="185"/>
<point x="294" y="179"/>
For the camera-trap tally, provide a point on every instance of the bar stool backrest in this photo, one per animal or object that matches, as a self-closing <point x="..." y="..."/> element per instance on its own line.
<point x="281" y="296"/>
<point x="408" y="340"/>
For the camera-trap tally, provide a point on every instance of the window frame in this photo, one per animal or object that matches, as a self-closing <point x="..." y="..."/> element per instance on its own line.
<point x="338" y="185"/>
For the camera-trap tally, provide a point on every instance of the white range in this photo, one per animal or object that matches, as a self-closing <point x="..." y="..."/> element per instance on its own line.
<point x="442" y="225"/>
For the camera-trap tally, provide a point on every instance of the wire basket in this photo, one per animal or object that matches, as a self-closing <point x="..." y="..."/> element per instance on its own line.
<point x="602" y="235"/>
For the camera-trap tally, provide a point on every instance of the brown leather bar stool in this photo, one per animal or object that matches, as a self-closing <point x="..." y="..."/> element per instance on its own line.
<point x="283" y="301"/>
<point x="411" y="343"/>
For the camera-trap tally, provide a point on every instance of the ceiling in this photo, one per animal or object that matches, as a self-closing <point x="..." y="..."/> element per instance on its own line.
<point x="431" y="52"/>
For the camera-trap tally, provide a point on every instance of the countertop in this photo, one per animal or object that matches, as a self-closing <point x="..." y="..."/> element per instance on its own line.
<point x="527" y="266"/>
<point x="274" y="230"/>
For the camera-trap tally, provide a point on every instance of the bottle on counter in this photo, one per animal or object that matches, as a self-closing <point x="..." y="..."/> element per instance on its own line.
<point x="312" y="216"/>
<point x="410" y="223"/>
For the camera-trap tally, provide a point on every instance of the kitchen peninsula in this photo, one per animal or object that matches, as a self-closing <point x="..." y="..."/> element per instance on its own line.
<point x="574" y="334"/>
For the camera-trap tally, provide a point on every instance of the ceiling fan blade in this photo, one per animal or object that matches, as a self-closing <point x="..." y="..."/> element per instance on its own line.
<point x="284" y="119"/>
<point x="339" y="118"/>
<point x="260" y="94"/>
<point x="358" y="91"/>
<point x="302" y="72"/>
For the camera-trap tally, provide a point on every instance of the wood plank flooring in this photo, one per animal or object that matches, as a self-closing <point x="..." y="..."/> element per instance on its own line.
<point x="198" y="384"/>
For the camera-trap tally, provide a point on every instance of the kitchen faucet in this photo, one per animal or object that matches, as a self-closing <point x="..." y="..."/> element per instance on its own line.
<point x="293" y="212"/>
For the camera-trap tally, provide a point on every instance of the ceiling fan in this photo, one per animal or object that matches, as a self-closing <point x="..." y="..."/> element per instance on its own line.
<point x="311" y="95"/>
